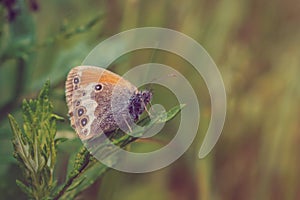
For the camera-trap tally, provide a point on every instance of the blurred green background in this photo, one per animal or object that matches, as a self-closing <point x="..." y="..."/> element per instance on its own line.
<point x="254" y="43"/>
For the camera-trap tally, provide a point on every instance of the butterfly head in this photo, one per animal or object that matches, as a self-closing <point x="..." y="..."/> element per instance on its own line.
<point x="138" y="103"/>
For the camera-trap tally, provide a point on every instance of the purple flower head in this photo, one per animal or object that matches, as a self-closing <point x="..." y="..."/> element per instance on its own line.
<point x="138" y="103"/>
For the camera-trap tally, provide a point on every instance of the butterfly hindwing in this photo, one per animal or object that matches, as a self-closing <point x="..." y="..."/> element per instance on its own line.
<point x="90" y="93"/>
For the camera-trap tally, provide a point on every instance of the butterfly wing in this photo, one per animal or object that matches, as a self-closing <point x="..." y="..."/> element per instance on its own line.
<point x="97" y="100"/>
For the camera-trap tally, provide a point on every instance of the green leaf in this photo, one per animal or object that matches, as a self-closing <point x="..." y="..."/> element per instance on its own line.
<point x="57" y="117"/>
<point x="172" y="113"/>
<point x="34" y="147"/>
<point x="60" y="140"/>
<point x="21" y="148"/>
<point x="27" y="190"/>
<point x="162" y="117"/>
<point x="146" y="123"/>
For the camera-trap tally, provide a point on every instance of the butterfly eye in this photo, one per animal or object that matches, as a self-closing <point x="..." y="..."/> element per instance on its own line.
<point x="76" y="80"/>
<point x="84" y="121"/>
<point x="98" y="87"/>
<point x="80" y="112"/>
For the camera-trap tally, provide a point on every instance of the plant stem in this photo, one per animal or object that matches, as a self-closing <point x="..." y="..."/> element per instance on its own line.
<point x="74" y="176"/>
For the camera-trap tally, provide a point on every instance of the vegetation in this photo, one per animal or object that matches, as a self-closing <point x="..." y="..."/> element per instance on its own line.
<point x="254" y="43"/>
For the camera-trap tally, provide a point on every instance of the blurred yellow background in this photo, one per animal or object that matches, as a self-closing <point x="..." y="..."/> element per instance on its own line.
<point x="255" y="45"/>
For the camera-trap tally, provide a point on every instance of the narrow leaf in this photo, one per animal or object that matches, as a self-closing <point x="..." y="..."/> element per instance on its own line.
<point x="24" y="188"/>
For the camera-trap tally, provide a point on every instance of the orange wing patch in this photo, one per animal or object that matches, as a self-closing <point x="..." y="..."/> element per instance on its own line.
<point x="109" y="77"/>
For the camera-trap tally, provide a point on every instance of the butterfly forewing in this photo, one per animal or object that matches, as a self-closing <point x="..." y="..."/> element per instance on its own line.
<point x="90" y="94"/>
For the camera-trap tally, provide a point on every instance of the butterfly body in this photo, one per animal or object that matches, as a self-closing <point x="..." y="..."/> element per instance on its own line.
<point x="100" y="101"/>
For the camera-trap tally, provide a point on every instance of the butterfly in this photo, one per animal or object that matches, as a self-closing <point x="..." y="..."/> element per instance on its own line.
<point x="100" y="101"/>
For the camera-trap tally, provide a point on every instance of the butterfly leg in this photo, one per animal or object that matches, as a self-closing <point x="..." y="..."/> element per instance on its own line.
<point x="146" y="109"/>
<point x="130" y="129"/>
